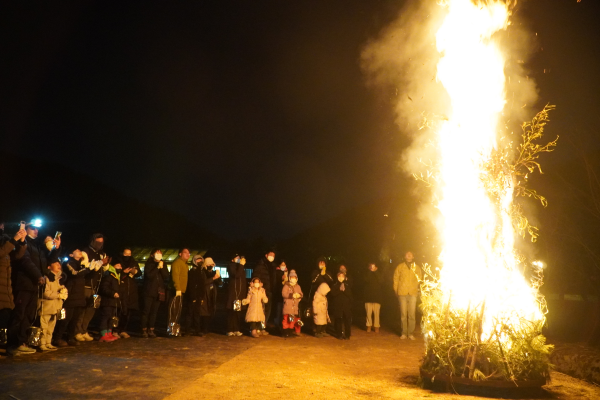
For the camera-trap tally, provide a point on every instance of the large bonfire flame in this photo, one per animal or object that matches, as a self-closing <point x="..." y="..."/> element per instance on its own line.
<point x="482" y="317"/>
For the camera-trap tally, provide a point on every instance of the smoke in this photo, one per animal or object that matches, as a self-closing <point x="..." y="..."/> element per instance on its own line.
<point x="403" y="60"/>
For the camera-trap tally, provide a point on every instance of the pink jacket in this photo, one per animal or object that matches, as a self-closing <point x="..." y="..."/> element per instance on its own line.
<point x="255" y="299"/>
<point x="290" y="304"/>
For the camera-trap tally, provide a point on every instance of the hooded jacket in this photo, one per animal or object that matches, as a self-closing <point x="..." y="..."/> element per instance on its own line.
<point x="50" y="302"/>
<point x="237" y="286"/>
<point x="75" y="273"/>
<point x="290" y="304"/>
<point x="109" y="286"/>
<point x="317" y="279"/>
<point x="256" y="298"/>
<point x="320" y="313"/>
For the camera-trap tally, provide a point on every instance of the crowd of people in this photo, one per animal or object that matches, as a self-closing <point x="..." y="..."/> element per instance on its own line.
<point x="47" y="302"/>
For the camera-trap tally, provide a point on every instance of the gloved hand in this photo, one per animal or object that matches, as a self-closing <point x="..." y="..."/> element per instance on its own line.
<point x="178" y="293"/>
<point x="245" y="301"/>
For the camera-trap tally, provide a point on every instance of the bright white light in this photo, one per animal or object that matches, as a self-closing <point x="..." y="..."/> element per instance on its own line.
<point x="37" y="223"/>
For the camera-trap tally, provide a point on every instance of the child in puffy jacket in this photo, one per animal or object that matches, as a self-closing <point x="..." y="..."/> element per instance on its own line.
<point x="292" y="294"/>
<point x="320" y="313"/>
<point x="51" y="304"/>
<point x="109" y="292"/>
<point x="255" y="314"/>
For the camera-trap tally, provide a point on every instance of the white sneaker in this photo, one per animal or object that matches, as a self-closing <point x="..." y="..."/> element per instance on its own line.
<point x="230" y="333"/>
<point x="79" y="337"/>
<point x="411" y="337"/>
<point x="44" y="348"/>
<point x="238" y="333"/>
<point x="51" y="347"/>
<point x="125" y="335"/>
<point x="403" y="337"/>
<point x="87" y="337"/>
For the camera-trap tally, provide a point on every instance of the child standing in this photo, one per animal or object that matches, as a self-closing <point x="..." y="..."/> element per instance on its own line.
<point x="51" y="303"/>
<point x="109" y="291"/>
<point x="320" y="314"/>
<point x="255" y="299"/>
<point x="292" y="294"/>
<point x="341" y="301"/>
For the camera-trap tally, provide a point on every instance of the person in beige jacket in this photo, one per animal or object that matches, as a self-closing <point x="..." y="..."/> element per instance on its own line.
<point x="51" y="303"/>
<point x="255" y="299"/>
<point x="406" y="287"/>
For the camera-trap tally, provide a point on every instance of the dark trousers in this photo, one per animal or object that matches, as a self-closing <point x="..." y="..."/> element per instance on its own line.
<point x="320" y="328"/>
<point x="106" y="313"/>
<point x="87" y="314"/>
<point x="124" y="319"/>
<point x="234" y="320"/>
<point x="205" y="323"/>
<point x="22" y="317"/>
<point x="192" y="324"/>
<point x="255" y="326"/>
<point x="4" y="318"/>
<point x="343" y="326"/>
<point x="149" y="312"/>
<point x="69" y="324"/>
<point x="268" y="307"/>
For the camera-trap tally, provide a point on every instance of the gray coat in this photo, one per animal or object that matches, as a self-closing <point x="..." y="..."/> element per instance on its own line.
<point x="320" y="314"/>
<point x="255" y="299"/>
<point x="290" y="304"/>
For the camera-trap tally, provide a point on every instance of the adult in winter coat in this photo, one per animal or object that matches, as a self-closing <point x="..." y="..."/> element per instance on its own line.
<point x="75" y="271"/>
<point x="320" y="312"/>
<point x="94" y="254"/>
<point x="208" y="297"/>
<point x="128" y="290"/>
<point x="292" y="294"/>
<point x="7" y="245"/>
<point x="372" y="296"/>
<point x="265" y="271"/>
<point x="193" y="295"/>
<point x="281" y="277"/>
<point x="320" y="275"/>
<point x="236" y="292"/>
<point x="155" y="275"/>
<point x="26" y="279"/>
<point x="179" y="276"/>
<point x="406" y="287"/>
<point x="109" y="291"/>
<point x="255" y="315"/>
<point x="341" y="306"/>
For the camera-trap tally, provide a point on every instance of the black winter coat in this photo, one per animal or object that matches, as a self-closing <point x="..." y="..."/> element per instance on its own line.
<point x="154" y="278"/>
<point x="238" y="287"/>
<point x="278" y="287"/>
<point x="201" y="291"/>
<point x="373" y="287"/>
<point x="341" y="301"/>
<point x="316" y="279"/>
<point x="208" y="304"/>
<point x="7" y="245"/>
<point x="108" y="287"/>
<point x="75" y="273"/>
<point x="265" y="271"/>
<point x="128" y="289"/>
<point x="25" y="274"/>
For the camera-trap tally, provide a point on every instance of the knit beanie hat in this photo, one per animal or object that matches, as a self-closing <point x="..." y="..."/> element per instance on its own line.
<point x="293" y="274"/>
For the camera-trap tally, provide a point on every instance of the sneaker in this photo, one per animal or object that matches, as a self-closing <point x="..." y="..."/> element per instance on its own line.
<point x="80" y="338"/>
<point x="238" y="333"/>
<point x="145" y="334"/>
<point x="25" y="349"/>
<point x="255" y="334"/>
<point x="12" y="351"/>
<point x="411" y="337"/>
<point x="108" y="338"/>
<point x="116" y="337"/>
<point x="43" y="348"/>
<point x="87" y="337"/>
<point x="51" y="347"/>
<point x="376" y="330"/>
<point x="403" y="337"/>
<point x="62" y="343"/>
<point x="264" y="333"/>
<point x="368" y="329"/>
<point x="151" y="334"/>
<point x="125" y="335"/>
<point x="230" y="333"/>
<point x="73" y="342"/>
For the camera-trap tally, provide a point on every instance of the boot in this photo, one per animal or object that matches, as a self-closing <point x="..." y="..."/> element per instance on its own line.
<point x="368" y="329"/>
<point x="376" y="330"/>
<point x="145" y="333"/>
<point x="151" y="333"/>
<point x="255" y="334"/>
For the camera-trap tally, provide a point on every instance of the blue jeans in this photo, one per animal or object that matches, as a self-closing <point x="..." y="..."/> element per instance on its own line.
<point x="408" y="308"/>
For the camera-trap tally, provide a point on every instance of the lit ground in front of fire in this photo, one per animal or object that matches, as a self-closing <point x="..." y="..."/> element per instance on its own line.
<point x="217" y="367"/>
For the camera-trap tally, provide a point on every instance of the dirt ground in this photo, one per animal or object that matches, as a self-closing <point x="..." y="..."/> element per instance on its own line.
<point x="218" y="367"/>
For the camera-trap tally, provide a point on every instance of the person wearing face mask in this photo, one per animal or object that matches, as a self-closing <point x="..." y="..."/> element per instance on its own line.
<point x="265" y="271"/>
<point x="372" y="296"/>
<point x="75" y="270"/>
<point x="320" y="311"/>
<point x="179" y="277"/>
<point x="341" y="306"/>
<point x="7" y="246"/>
<point x="320" y="275"/>
<point x="128" y="291"/>
<point x="26" y="261"/>
<point x="281" y="277"/>
<point x="236" y="292"/>
<point x="292" y="294"/>
<point x="98" y="262"/>
<point x="255" y="315"/>
<point x="155" y="275"/>
<point x="406" y="286"/>
<point x="193" y="296"/>
<point x="109" y="291"/>
<point x="210" y="280"/>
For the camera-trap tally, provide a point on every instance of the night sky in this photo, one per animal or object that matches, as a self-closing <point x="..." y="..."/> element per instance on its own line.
<point x="252" y="118"/>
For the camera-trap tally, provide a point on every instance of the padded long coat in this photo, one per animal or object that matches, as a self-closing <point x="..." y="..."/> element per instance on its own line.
<point x="256" y="298"/>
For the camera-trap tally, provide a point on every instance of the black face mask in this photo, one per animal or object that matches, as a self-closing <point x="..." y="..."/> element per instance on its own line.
<point x="97" y="245"/>
<point x="126" y="258"/>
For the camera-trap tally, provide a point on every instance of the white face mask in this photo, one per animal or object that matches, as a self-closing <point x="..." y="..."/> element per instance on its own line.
<point x="283" y="268"/>
<point x="341" y="278"/>
<point x="49" y="245"/>
<point x="270" y="258"/>
<point x="293" y="281"/>
<point x="257" y="285"/>
<point x="158" y="256"/>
